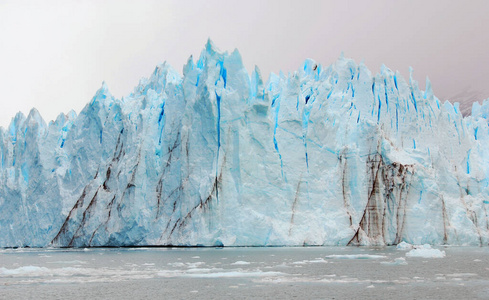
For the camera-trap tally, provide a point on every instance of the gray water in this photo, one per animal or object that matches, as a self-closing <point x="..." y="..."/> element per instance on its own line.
<point x="237" y="273"/>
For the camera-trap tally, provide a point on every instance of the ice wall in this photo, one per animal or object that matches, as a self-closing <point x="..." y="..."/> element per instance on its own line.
<point x="323" y="156"/>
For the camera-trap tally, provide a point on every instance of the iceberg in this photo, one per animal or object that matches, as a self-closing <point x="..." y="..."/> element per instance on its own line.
<point x="218" y="157"/>
<point x="425" y="251"/>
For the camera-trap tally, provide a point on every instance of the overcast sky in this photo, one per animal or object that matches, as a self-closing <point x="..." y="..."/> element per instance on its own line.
<point x="54" y="55"/>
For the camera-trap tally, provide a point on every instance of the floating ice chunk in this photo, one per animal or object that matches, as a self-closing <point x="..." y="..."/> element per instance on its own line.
<point x="397" y="262"/>
<point x="315" y="261"/>
<point x="235" y="274"/>
<point x="355" y="256"/>
<point x="404" y="246"/>
<point x="70" y="262"/>
<point x="26" y="270"/>
<point x="177" y="264"/>
<point x="425" y="251"/>
<point x="203" y="270"/>
<point x="462" y="275"/>
<point x="195" y="264"/>
<point x="240" y="262"/>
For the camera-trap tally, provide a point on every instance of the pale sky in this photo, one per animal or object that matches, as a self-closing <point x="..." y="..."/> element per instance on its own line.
<point x="54" y="55"/>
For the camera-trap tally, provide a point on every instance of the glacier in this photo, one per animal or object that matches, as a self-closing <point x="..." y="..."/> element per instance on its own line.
<point x="218" y="157"/>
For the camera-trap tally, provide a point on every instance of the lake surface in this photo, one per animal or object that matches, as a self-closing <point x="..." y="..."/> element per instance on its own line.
<point x="239" y="273"/>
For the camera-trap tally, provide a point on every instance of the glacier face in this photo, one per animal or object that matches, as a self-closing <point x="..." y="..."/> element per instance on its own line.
<point x="323" y="156"/>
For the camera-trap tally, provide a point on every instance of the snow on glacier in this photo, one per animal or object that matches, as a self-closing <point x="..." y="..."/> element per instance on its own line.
<point x="321" y="156"/>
